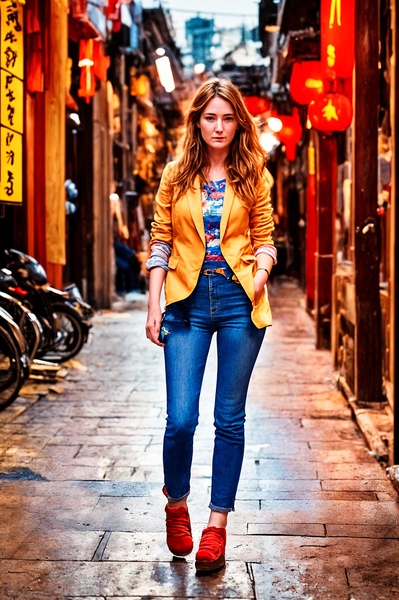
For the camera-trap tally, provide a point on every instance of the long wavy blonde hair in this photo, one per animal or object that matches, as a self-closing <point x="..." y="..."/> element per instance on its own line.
<point x="245" y="162"/>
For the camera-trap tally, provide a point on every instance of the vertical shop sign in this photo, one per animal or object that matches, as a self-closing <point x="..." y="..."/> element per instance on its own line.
<point x="337" y="20"/>
<point x="11" y="100"/>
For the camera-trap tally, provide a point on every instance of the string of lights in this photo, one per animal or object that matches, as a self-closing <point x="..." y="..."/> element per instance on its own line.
<point x="223" y="20"/>
<point x="212" y="13"/>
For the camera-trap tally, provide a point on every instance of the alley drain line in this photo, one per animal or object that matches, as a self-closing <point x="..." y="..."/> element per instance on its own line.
<point x="99" y="552"/>
<point x="251" y="578"/>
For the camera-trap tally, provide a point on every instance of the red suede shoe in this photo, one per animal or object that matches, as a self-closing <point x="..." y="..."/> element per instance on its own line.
<point x="210" y="555"/>
<point x="178" y="530"/>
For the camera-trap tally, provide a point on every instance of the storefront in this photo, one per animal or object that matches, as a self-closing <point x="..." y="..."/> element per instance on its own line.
<point x="33" y="217"/>
<point x="345" y="88"/>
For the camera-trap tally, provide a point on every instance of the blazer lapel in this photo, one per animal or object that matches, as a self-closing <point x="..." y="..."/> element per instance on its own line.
<point x="227" y="204"/>
<point x="195" y="205"/>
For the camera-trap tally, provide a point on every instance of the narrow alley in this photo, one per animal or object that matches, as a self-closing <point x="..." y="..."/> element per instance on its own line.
<point x="81" y="475"/>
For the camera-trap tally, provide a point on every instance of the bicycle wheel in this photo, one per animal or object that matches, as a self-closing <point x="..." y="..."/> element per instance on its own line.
<point x="70" y="334"/>
<point x="11" y="371"/>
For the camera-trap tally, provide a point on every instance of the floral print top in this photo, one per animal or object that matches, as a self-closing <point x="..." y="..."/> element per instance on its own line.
<point x="212" y="196"/>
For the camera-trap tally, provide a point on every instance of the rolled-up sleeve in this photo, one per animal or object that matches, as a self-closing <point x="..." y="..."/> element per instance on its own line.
<point x="161" y="227"/>
<point x="159" y="257"/>
<point x="270" y="250"/>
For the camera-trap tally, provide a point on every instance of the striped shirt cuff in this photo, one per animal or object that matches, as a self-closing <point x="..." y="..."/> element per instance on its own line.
<point x="159" y="257"/>
<point x="270" y="250"/>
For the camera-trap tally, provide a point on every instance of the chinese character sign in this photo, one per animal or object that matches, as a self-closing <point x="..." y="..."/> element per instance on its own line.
<point x="11" y="100"/>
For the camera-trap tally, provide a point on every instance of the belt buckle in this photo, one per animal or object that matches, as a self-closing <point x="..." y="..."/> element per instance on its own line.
<point x="218" y="271"/>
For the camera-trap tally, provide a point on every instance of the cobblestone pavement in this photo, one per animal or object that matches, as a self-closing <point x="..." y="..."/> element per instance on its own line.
<point x="82" y="514"/>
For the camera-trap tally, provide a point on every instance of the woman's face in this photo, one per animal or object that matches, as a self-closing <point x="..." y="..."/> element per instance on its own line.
<point x="218" y="124"/>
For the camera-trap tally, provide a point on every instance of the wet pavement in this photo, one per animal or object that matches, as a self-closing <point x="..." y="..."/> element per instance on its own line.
<point x="82" y="514"/>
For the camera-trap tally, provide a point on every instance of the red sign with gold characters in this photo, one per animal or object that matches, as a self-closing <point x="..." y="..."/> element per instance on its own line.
<point x="11" y="100"/>
<point x="337" y="25"/>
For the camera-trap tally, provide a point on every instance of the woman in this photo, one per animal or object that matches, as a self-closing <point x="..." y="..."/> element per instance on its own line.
<point x="211" y="244"/>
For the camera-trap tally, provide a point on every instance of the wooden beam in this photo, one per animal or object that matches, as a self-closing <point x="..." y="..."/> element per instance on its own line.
<point x="326" y="200"/>
<point x="311" y="226"/>
<point x="39" y="242"/>
<point x="368" y="345"/>
<point x="55" y="134"/>
<point x="30" y="174"/>
<point x="394" y="248"/>
<point x="103" y="255"/>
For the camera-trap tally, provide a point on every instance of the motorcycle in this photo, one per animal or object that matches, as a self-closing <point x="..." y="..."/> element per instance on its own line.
<point x="64" y="316"/>
<point x="14" y="359"/>
<point x="28" y="323"/>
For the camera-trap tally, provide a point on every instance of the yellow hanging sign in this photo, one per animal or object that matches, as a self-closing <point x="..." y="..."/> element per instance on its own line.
<point x="11" y="166"/>
<point x="11" y="101"/>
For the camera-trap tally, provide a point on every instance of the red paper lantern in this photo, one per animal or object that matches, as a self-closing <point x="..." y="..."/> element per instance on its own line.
<point x="337" y="36"/>
<point x="331" y="112"/>
<point x="306" y="81"/>
<point x="291" y="133"/>
<point x="256" y="105"/>
<point x="87" y="87"/>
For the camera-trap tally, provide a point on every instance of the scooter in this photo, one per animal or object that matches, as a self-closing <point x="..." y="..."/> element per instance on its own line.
<point x="30" y="327"/>
<point x="64" y="316"/>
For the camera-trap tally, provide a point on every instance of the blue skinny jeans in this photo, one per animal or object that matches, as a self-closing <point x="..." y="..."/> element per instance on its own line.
<point x="217" y="305"/>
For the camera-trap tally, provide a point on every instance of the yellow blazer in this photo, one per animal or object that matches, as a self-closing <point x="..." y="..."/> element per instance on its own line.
<point x="180" y="223"/>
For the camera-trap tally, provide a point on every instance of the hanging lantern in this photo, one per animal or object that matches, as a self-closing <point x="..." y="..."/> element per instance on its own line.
<point x="337" y="36"/>
<point x="256" y="105"/>
<point x="331" y="112"/>
<point x="87" y="87"/>
<point x="306" y="81"/>
<point x="165" y="72"/>
<point x="290" y="133"/>
<point x="140" y="87"/>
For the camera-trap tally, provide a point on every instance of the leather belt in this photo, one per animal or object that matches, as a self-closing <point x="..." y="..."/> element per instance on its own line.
<point x="218" y="271"/>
